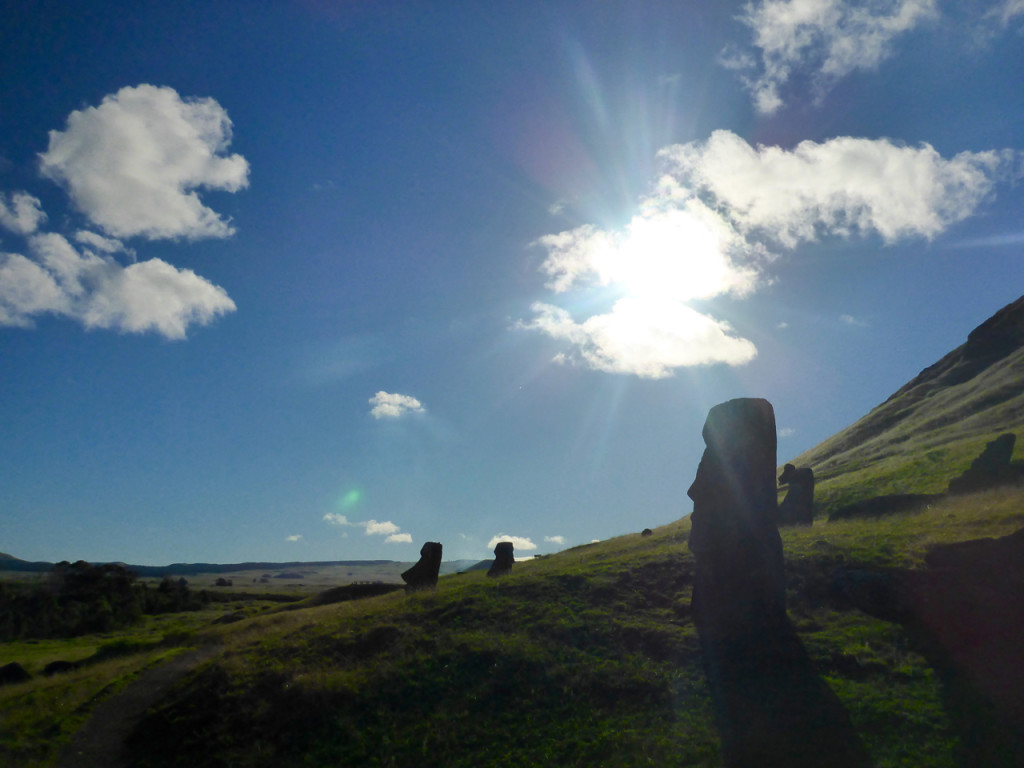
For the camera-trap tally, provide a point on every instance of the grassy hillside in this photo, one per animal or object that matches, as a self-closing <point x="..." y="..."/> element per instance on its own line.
<point x="588" y="657"/>
<point x="931" y="429"/>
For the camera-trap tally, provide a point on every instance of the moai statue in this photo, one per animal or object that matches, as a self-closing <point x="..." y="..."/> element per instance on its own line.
<point x="770" y="706"/>
<point x="503" y="559"/>
<point x="424" y="573"/>
<point x="798" y="506"/>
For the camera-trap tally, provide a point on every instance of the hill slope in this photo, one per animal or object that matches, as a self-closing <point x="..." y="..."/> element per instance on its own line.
<point x="930" y="429"/>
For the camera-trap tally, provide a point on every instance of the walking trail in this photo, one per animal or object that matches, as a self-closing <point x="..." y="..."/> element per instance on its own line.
<point x="100" y="742"/>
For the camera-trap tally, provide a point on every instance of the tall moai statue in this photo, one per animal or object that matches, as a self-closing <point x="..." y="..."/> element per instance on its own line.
<point x="424" y="574"/>
<point x="770" y="706"/>
<point x="798" y="506"/>
<point x="504" y="559"/>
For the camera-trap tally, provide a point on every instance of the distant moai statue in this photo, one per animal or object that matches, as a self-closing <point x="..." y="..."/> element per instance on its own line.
<point x="504" y="559"/>
<point x="798" y="506"/>
<point x="770" y="706"/>
<point x="424" y="574"/>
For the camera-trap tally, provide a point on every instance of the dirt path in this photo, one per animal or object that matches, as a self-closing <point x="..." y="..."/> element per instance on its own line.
<point x="100" y="742"/>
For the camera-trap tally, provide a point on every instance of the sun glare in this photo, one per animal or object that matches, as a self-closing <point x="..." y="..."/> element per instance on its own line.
<point x="671" y="255"/>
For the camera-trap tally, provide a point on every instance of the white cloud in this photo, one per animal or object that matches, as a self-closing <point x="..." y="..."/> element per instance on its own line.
<point x="102" y="244"/>
<point x="709" y="229"/>
<point x="133" y="164"/>
<point x="26" y="289"/>
<point x="645" y="338"/>
<point x="383" y="528"/>
<point x="99" y="292"/>
<point x="519" y="543"/>
<point x="335" y="519"/>
<point x="391" y="406"/>
<point x="294" y="537"/>
<point x="20" y="213"/>
<point x="825" y="39"/>
<point x="851" y="320"/>
<point x="841" y="186"/>
<point x="555" y="539"/>
<point x="371" y="528"/>
<point x="786" y="432"/>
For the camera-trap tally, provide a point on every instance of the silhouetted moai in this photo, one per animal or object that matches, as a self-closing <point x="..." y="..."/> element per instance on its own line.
<point x="504" y="559"/>
<point x="798" y="506"/>
<point x="770" y="706"/>
<point x="424" y="573"/>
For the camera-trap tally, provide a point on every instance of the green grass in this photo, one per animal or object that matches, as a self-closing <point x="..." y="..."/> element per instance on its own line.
<point x="588" y="657"/>
<point x="37" y="717"/>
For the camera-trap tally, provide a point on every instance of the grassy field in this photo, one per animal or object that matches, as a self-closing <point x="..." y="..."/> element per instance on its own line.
<point x="587" y="657"/>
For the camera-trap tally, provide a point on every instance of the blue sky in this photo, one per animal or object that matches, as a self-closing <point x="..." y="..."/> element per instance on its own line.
<point x="325" y="280"/>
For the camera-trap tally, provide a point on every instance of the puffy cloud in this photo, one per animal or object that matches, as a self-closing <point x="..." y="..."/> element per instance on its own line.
<point x="555" y="540"/>
<point x="294" y="537"/>
<point x="134" y="163"/>
<point x="101" y="244"/>
<point x="391" y="406"/>
<point x="386" y="527"/>
<point x="827" y="39"/>
<point x="645" y="338"/>
<point x="20" y="213"/>
<point x="519" y="543"/>
<point x="851" y="320"/>
<point x="335" y="519"/>
<point x="711" y="227"/>
<point x="371" y="528"/>
<point x="840" y="186"/>
<point x="26" y="289"/>
<point x="132" y="166"/>
<point x="100" y="292"/>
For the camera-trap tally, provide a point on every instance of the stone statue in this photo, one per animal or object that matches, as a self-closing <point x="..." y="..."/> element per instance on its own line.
<point x="770" y="706"/>
<point x="503" y="559"/>
<point x="424" y="573"/>
<point x="798" y="506"/>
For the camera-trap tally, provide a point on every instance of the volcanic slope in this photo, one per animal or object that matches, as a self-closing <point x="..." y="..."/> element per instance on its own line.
<point x="933" y="426"/>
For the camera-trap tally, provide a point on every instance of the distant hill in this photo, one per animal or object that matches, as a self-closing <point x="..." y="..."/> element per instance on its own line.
<point x="11" y="563"/>
<point x="929" y="430"/>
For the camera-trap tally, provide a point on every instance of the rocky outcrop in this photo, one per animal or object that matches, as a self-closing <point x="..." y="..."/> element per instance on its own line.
<point x="504" y="559"/>
<point x="771" y="708"/>
<point x="423" y="575"/>
<point x="798" y="506"/>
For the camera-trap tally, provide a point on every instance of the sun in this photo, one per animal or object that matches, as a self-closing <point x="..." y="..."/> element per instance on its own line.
<point x="670" y="255"/>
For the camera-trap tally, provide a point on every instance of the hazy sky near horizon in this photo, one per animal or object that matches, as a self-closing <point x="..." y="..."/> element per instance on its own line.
<point x="314" y="280"/>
